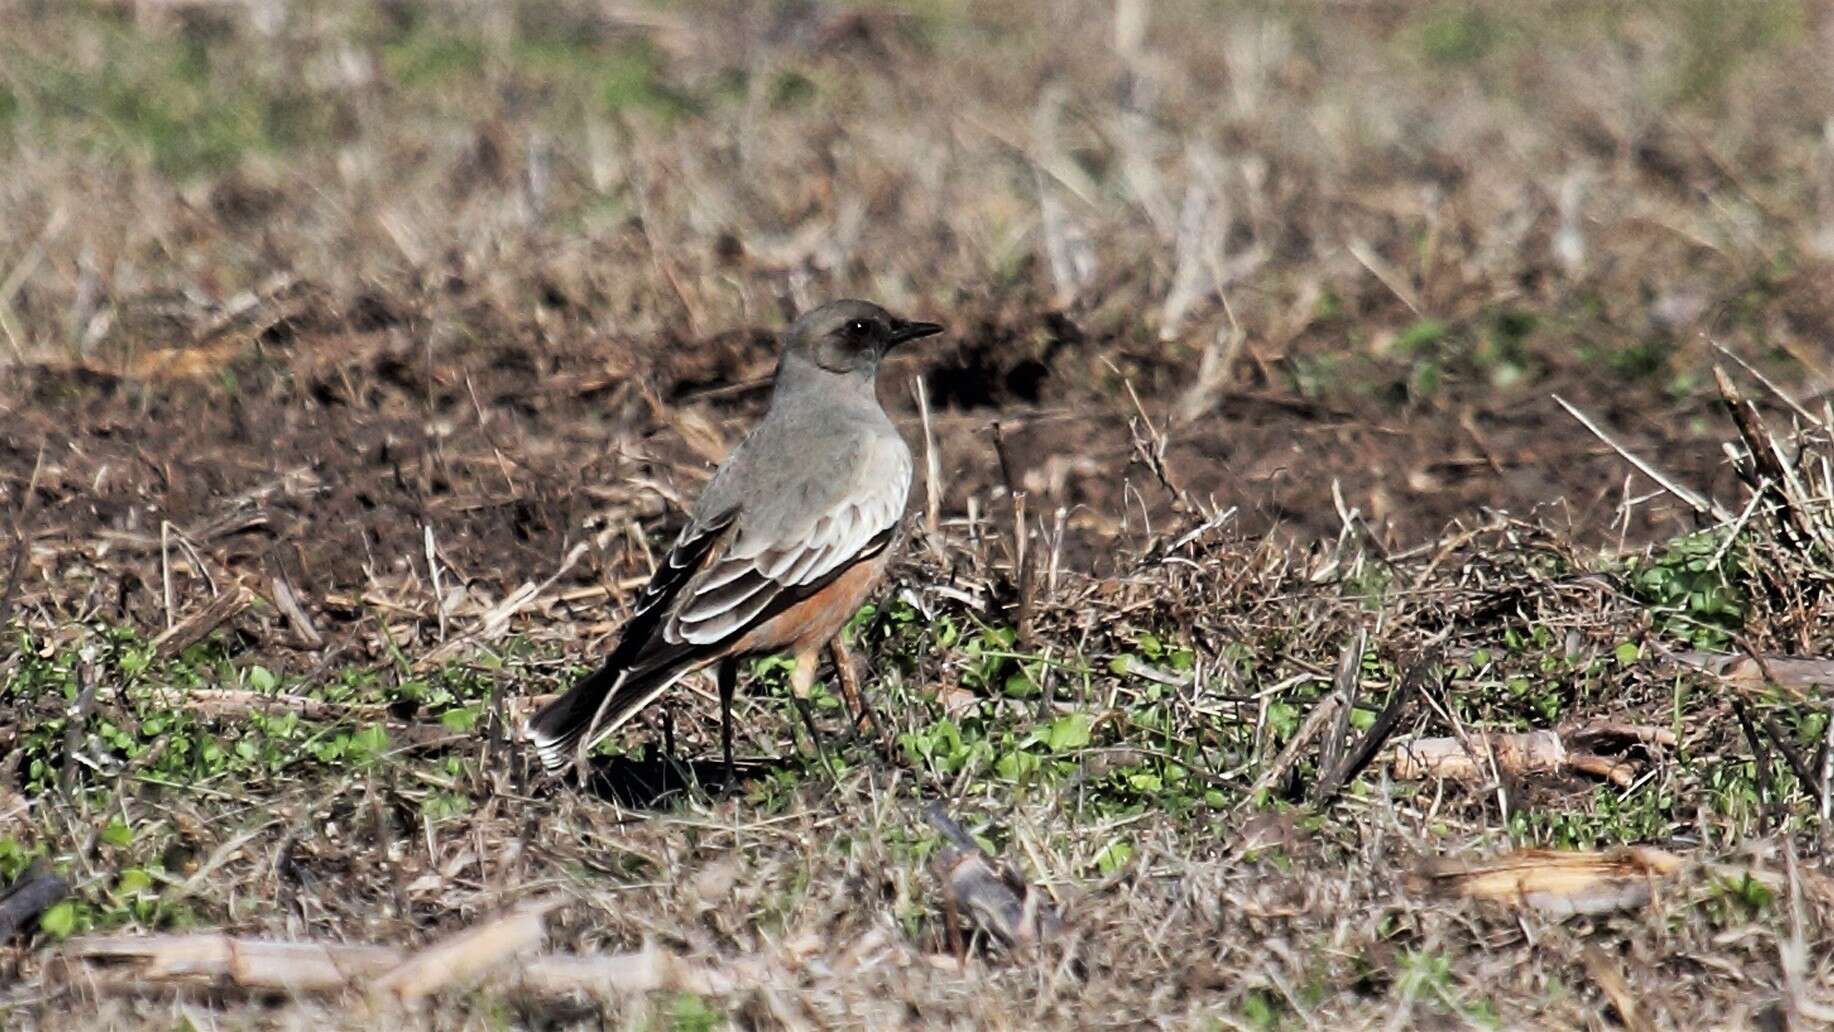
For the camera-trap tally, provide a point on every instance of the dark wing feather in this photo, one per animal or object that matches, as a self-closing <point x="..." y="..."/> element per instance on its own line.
<point x="558" y="727"/>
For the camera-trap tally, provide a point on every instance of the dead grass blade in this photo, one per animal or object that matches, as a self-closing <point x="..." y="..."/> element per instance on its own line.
<point x="496" y="621"/>
<point x="77" y="722"/>
<point x="1364" y="751"/>
<point x="284" y="600"/>
<point x="1606" y="975"/>
<point x="139" y="963"/>
<point x="628" y="974"/>
<point x="196" y="627"/>
<point x="1793" y="673"/>
<point x="1693" y="499"/>
<point x="1323" y="714"/>
<point x="15" y="569"/>
<point x="1347" y="686"/>
<point x="1770" y="472"/>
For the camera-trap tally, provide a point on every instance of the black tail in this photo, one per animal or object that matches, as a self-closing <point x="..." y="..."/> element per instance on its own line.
<point x="558" y="728"/>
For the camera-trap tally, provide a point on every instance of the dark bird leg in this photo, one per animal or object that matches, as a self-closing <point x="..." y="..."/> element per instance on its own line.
<point x="804" y="707"/>
<point x="729" y="684"/>
<point x="802" y="679"/>
<point x="670" y="765"/>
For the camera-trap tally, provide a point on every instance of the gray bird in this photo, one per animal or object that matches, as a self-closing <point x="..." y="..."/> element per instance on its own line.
<point x="787" y="541"/>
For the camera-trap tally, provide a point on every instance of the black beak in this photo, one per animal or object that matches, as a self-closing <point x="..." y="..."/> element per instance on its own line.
<point x="905" y="331"/>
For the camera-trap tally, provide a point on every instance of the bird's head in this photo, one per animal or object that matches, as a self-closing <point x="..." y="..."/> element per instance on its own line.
<point x="850" y="337"/>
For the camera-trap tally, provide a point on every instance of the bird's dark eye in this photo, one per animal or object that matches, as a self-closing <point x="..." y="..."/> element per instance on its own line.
<point x="859" y="329"/>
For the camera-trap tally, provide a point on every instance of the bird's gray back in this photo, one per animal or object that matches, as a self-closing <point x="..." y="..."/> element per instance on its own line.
<point x="807" y="461"/>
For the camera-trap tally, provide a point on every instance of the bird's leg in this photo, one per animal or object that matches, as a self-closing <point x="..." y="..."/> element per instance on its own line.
<point x="669" y="763"/>
<point x="848" y="677"/>
<point x="848" y="674"/>
<point x="802" y="679"/>
<point x="729" y="683"/>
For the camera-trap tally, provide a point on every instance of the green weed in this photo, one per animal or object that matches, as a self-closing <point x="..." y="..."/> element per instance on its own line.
<point x="1695" y="590"/>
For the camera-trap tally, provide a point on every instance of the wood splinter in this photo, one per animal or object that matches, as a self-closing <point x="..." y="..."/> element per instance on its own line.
<point x="1560" y="882"/>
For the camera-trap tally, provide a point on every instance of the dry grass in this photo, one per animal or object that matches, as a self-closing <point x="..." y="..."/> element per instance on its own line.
<point x="352" y="360"/>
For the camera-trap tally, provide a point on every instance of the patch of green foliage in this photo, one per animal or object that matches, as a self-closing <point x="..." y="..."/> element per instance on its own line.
<point x="1458" y="34"/>
<point x="140" y="739"/>
<point x="1606" y="818"/>
<point x="1041" y="720"/>
<point x="1426" y="978"/>
<point x="1695" y="590"/>
<point x="147" y="731"/>
<point x="174" y="97"/>
<point x="589" y="71"/>
<point x="688" y="1012"/>
<point x="428" y="60"/>
<point x="1494" y="347"/>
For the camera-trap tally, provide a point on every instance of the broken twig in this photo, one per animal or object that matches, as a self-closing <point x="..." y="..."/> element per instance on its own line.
<point x="999" y="901"/>
<point x="1523" y="753"/>
<point x="467" y="955"/>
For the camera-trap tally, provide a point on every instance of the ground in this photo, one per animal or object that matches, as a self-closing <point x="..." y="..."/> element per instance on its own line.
<point x="357" y="361"/>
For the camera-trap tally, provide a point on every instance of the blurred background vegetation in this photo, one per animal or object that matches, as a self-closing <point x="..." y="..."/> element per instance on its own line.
<point x="391" y="339"/>
<point x="1436" y="209"/>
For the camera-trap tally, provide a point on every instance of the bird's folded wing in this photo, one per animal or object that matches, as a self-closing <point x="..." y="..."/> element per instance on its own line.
<point x="762" y="568"/>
